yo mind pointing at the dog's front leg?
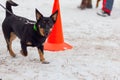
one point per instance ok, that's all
(41, 54)
(24, 49)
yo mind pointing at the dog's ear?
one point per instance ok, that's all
(12, 3)
(38, 14)
(54, 16)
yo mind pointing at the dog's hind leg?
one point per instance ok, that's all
(9, 44)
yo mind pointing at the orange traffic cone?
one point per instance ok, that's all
(55, 41)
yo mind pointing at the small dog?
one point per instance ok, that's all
(30, 33)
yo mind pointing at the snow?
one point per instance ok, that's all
(96, 45)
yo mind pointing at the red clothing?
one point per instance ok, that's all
(107, 6)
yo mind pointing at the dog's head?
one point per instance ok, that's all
(45, 24)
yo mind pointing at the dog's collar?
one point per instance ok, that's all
(34, 27)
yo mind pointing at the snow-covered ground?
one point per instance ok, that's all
(96, 45)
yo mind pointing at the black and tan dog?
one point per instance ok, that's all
(30, 33)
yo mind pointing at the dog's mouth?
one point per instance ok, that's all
(43, 32)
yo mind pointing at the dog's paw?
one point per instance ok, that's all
(23, 53)
(12, 53)
(45, 62)
(13, 56)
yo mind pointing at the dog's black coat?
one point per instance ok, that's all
(25, 30)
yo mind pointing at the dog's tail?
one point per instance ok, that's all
(9, 4)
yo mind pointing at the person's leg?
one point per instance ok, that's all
(107, 6)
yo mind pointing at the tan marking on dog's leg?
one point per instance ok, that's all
(41, 55)
(42, 59)
(12, 37)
